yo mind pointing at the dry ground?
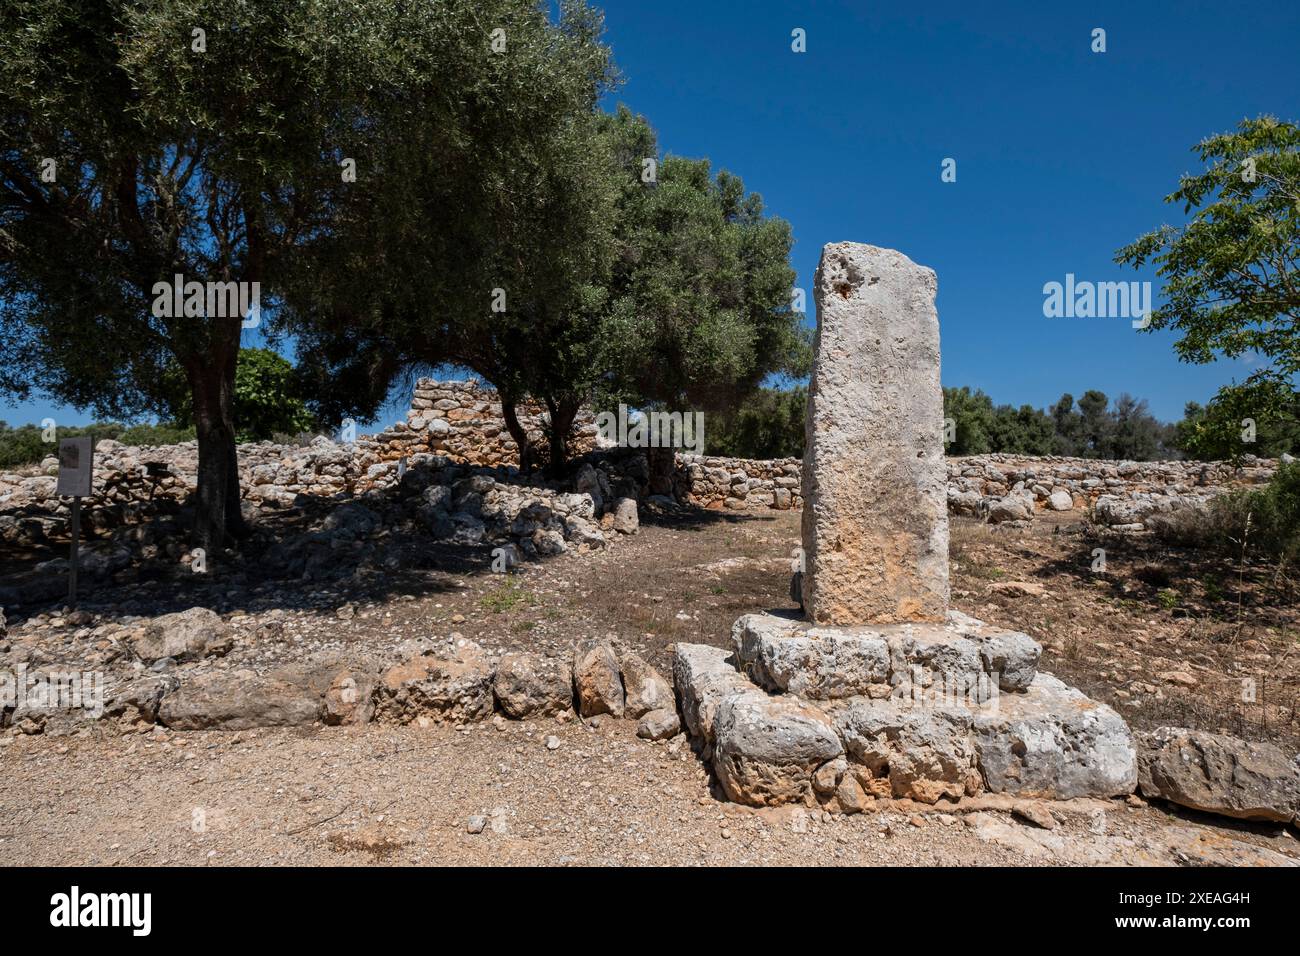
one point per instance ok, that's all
(405, 795)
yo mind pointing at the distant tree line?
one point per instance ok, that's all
(1093, 426)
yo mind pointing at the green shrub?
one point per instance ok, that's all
(1266, 521)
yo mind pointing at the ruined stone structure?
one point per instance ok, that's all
(463, 421)
(882, 691)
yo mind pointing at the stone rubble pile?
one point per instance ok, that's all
(169, 671)
(460, 422)
(434, 498)
(737, 484)
(463, 420)
(1120, 494)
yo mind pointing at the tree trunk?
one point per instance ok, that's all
(563, 413)
(516, 430)
(662, 465)
(217, 519)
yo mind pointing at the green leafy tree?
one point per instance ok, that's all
(214, 139)
(639, 278)
(268, 400)
(697, 313)
(770, 424)
(500, 237)
(1022, 431)
(1260, 416)
(971, 415)
(1231, 279)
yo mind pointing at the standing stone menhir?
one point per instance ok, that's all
(875, 520)
(881, 692)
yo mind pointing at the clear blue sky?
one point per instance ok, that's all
(1063, 155)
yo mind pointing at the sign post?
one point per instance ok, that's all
(76, 473)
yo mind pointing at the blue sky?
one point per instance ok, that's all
(1063, 155)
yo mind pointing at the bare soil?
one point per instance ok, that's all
(404, 795)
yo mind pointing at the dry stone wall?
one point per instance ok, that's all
(463, 421)
(460, 423)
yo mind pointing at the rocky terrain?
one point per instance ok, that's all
(446, 754)
(525, 645)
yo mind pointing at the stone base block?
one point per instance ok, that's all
(785, 654)
(837, 716)
(1055, 742)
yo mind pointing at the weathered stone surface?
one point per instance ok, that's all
(921, 753)
(924, 655)
(446, 682)
(875, 519)
(1010, 509)
(185, 636)
(1013, 657)
(766, 749)
(1060, 501)
(349, 696)
(659, 725)
(1053, 742)
(816, 663)
(1219, 774)
(138, 699)
(240, 700)
(703, 675)
(530, 684)
(626, 520)
(644, 687)
(597, 685)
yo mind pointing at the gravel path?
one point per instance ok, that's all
(402, 795)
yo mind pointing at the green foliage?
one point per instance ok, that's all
(25, 445)
(699, 298)
(1091, 429)
(1221, 429)
(1231, 282)
(769, 424)
(1264, 522)
(666, 293)
(268, 400)
(225, 165)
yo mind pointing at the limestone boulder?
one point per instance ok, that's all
(1013, 657)
(528, 685)
(185, 636)
(1010, 508)
(1216, 773)
(659, 725)
(138, 699)
(766, 749)
(644, 687)
(1060, 501)
(814, 663)
(703, 675)
(597, 682)
(1052, 741)
(240, 700)
(626, 520)
(446, 682)
(921, 753)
